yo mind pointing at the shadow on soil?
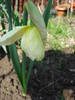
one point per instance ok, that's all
(2, 53)
(51, 76)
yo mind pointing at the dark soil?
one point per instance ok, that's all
(48, 80)
(55, 73)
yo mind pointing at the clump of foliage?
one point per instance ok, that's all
(59, 30)
(57, 27)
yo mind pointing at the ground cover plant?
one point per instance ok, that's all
(61, 33)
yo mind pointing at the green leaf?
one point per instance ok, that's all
(36, 18)
(8, 4)
(13, 35)
(1, 1)
(16, 62)
(12, 48)
(25, 16)
(46, 14)
(24, 72)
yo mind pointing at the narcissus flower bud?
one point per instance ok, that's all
(32, 38)
(32, 44)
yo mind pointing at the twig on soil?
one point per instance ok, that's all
(48, 85)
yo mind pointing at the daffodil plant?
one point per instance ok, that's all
(33, 38)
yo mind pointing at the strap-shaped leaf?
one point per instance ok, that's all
(46, 14)
(36, 18)
(13, 35)
(12, 48)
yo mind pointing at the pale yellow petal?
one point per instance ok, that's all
(32, 44)
(13, 35)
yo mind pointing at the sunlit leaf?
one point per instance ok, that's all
(46, 14)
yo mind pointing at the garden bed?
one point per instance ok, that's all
(48, 80)
(53, 78)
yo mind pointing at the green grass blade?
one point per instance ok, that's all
(46, 13)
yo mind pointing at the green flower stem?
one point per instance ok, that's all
(24, 88)
(29, 71)
(26, 79)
